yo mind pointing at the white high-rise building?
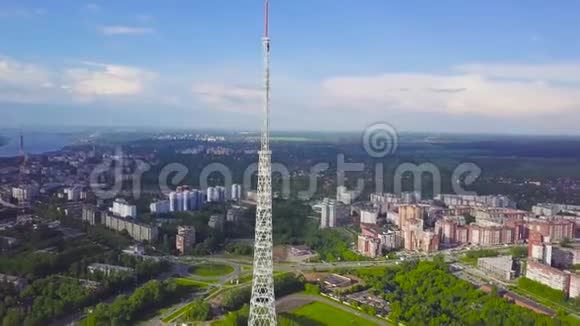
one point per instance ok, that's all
(344, 195)
(221, 191)
(24, 193)
(174, 202)
(73, 193)
(180, 201)
(212, 195)
(189, 200)
(331, 211)
(411, 197)
(123, 209)
(323, 218)
(328, 213)
(186, 201)
(236, 192)
(369, 216)
(160, 207)
(195, 200)
(216, 194)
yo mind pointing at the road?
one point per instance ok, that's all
(449, 255)
(185, 263)
(472, 274)
(179, 267)
(7, 204)
(293, 301)
(216, 260)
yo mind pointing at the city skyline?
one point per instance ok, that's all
(491, 68)
(398, 163)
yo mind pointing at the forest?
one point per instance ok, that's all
(52, 297)
(44, 301)
(506, 162)
(420, 291)
(126, 310)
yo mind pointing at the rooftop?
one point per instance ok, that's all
(504, 262)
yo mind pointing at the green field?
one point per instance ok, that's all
(246, 278)
(547, 296)
(329, 315)
(177, 313)
(469, 261)
(211, 269)
(190, 282)
(182, 310)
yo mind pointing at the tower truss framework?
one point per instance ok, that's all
(262, 303)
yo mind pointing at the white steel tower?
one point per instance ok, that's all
(262, 303)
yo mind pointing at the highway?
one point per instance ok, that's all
(181, 265)
(238, 262)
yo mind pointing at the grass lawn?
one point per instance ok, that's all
(190, 282)
(329, 315)
(568, 307)
(177, 313)
(245, 279)
(469, 261)
(248, 278)
(210, 269)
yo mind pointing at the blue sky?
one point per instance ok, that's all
(485, 66)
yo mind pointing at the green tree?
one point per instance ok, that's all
(427, 291)
(566, 243)
(199, 311)
(311, 289)
(14, 316)
(519, 252)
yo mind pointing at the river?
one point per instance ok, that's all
(35, 142)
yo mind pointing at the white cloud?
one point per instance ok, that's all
(520, 90)
(503, 91)
(22, 82)
(513, 92)
(92, 7)
(21, 12)
(229, 97)
(24, 74)
(125, 30)
(144, 18)
(549, 72)
(107, 80)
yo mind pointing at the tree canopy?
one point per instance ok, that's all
(426, 291)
